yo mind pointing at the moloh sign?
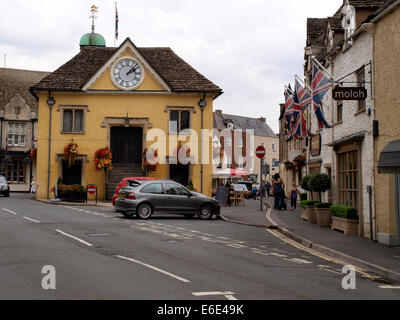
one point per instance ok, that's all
(349, 93)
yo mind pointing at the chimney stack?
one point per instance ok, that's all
(218, 113)
(263, 119)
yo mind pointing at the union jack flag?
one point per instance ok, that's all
(320, 86)
(303, 95)
(289, 104)
(299, 129)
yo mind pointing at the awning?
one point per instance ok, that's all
(389, 159)
(230, 172)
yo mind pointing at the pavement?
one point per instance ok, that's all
(371, 256)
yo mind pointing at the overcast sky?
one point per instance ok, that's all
(251, 48)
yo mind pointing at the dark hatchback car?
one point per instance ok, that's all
(4, 187)
(164, 196)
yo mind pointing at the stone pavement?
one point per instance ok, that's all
(361, 252)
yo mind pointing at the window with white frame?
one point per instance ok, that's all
(16, 134)
(13, 170)
(229, 142)
(241, 162)
(273, 147)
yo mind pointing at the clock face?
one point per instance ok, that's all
(127, 74)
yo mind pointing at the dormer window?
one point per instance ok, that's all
(348, 21)
(230, 126)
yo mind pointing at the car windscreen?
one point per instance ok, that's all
(2, 179)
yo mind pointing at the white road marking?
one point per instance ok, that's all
(155, 269)
(300, 261)
(9, 211)
(389, 287)
(228, 294)
(75, 238)
(260, 252)
(33, 220)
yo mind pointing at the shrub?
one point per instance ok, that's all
(344, 212)
(303, 196)
(322, 205)
(305, 183)
(70, 189)
(319, 182)
(309, 203)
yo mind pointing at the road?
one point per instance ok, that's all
(98, 254)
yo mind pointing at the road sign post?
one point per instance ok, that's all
(91, 189)
(260, 153)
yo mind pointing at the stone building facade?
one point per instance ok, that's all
(18, 127)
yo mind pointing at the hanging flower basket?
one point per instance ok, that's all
(71, 151)
(33, 153)
(103, 159)
(150, 161)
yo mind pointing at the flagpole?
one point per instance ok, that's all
(303, 83)
(323, 69)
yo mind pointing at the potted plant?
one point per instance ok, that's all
(190, 186)
(319, 182)
(344, 219)
(309, 213)
(72, 193)
(150, 160)
(323, 213)
(71, 152)
(305, 186)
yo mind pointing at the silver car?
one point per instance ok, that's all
(4, 187)
(164, 196)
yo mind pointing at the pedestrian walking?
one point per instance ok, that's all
(278, 189)
(268, 186)
(294, 192)
(33, 186)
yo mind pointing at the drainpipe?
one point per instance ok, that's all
(1, 133)
(51, 102)
(202, 105)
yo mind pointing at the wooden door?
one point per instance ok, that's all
(126, 145)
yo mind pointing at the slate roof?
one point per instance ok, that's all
(239, 122)
(374, 4)
(315, 28)
(13, 81)
(178, 74)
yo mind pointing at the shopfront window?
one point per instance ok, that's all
(348, 178)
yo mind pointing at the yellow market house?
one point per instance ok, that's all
(114, 97)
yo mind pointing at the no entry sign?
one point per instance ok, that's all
(91, 189)
(260, 152)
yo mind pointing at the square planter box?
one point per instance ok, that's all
(312, 217)
(323, 217)
(304, 215)
(348, 226)
(74, 197)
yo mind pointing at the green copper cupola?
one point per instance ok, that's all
(93, 39)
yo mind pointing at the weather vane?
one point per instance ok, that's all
(94, 10)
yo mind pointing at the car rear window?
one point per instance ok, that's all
(133, 183)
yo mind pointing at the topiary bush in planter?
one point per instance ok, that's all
(308, 210)
(303, 196)
(323, 213)
(344, 212)
(344, 219)
(305, 183)
(319, 182)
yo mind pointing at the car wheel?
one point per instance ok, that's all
(144, 211)
(128, 214)
(206, 212)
